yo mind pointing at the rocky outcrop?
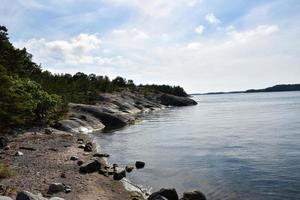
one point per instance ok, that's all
(115, 110)
(171, 100)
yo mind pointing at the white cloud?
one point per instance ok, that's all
(212, 19)
(261, 30)
(199, 29)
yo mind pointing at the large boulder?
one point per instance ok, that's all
(195, 195)
(139, 164)
(90, 167)
(172, 100)
(119, 174)
(169, 194)
(25, 195)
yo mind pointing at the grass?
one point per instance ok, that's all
(6, 171)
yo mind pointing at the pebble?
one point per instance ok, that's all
(19, 153)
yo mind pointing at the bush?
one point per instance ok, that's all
(6, 171)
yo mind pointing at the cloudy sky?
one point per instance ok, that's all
(202, 45)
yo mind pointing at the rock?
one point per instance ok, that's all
(19, 153)
(171, 100)
(101, 155)
(119, 174)
(56, 198)
(80, 141)
(169, 194)
(90, 167)
(88, 147)
(25, 195)
(3, 142)
(55, 188)
(82, 146)
(195, 195)
(28, 148)
(6, 148)
(48, 131)
(73, 158)
(136, 196)
(63, 175)
(139, 164)
(5, 198)
(68, 189)
(79, 162)
(129, 168)
(159, 197)
(115, 165)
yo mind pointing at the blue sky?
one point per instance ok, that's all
(202, 45)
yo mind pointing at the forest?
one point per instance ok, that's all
(30, 95)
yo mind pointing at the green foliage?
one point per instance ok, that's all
(174, 90)
(6, 171)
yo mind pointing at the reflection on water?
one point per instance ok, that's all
(233, 146)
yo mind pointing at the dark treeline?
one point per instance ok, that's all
(277, 88)
(28, 94)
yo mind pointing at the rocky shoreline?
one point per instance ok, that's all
(61, 162)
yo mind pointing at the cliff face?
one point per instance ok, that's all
(116, 110)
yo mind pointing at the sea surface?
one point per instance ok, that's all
(230, 146)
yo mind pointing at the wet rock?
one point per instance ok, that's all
(119, 174)
(3, 142)
(139, 164)
(73, 158)
(159, 197)
(55, 188)
(169, 194)
(79, 162)
(101, 155)
(88, 147)
(5, 198)
(171, 100)
(90, 167)
(195, 195)
(129, 168)
(25, 195)
(115, 166)
(19, 153)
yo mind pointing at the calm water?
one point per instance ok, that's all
(233, 146)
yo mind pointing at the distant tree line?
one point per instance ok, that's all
(30, 95)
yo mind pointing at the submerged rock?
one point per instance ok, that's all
(169, 194)
(139, 164)
(195, 195)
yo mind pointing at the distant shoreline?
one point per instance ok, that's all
(276, 88)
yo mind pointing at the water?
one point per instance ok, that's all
(231, 146)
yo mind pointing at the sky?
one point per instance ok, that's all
(201, 45)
